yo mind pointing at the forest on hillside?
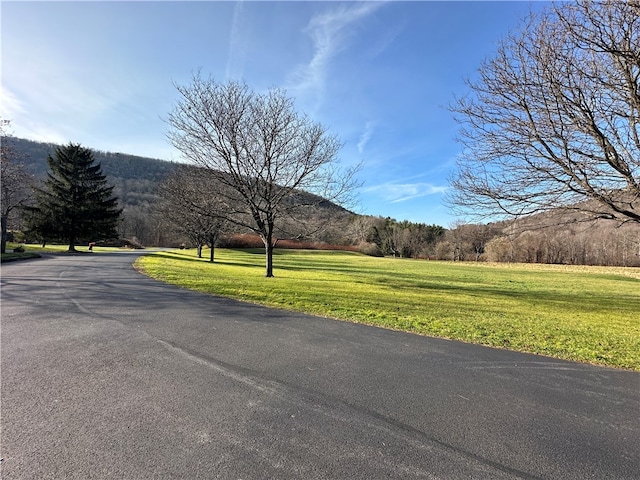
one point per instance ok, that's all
(540, 239)
(135, 178)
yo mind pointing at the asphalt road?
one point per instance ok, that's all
(107, 374)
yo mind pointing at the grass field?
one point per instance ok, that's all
(587, 314)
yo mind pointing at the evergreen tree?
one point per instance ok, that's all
(75, 203)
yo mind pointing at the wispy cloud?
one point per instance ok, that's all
(402, 192)
(11, 106)
(58, 103)
(366, 136)
(58, 100)
(330, 32)
(387, 38)
(237, 44)
(49, 107)
(40, 132)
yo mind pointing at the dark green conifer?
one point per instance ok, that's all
(75, 203)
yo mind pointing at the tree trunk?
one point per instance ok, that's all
(211, 252)
(199, 247)
(3, 222)
(268, 249)
(72, 245)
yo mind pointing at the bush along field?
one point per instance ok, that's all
(585, 314)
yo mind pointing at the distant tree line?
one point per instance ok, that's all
(597, 243)
(390, 237)
(537, 239)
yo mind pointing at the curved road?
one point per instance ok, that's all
(108, 374)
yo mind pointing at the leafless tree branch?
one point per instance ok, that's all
(261, 150)
(554, 119)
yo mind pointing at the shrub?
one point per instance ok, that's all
(369, 248)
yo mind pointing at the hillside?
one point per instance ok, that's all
(567, 237)
(136, 181)
(135, 178)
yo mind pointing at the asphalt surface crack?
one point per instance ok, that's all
(337, 409)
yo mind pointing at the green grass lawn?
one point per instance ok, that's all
(587, 314)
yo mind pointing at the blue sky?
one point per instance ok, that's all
(380, 75)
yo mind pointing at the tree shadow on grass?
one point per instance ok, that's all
(203, 260)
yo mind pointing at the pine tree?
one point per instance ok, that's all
(76, 203)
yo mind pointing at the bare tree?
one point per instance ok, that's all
(193, 201)
(553, 120)
(14, 182)
(261, 149)
(475, 237)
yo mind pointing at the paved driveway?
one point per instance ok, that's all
(108, 374)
